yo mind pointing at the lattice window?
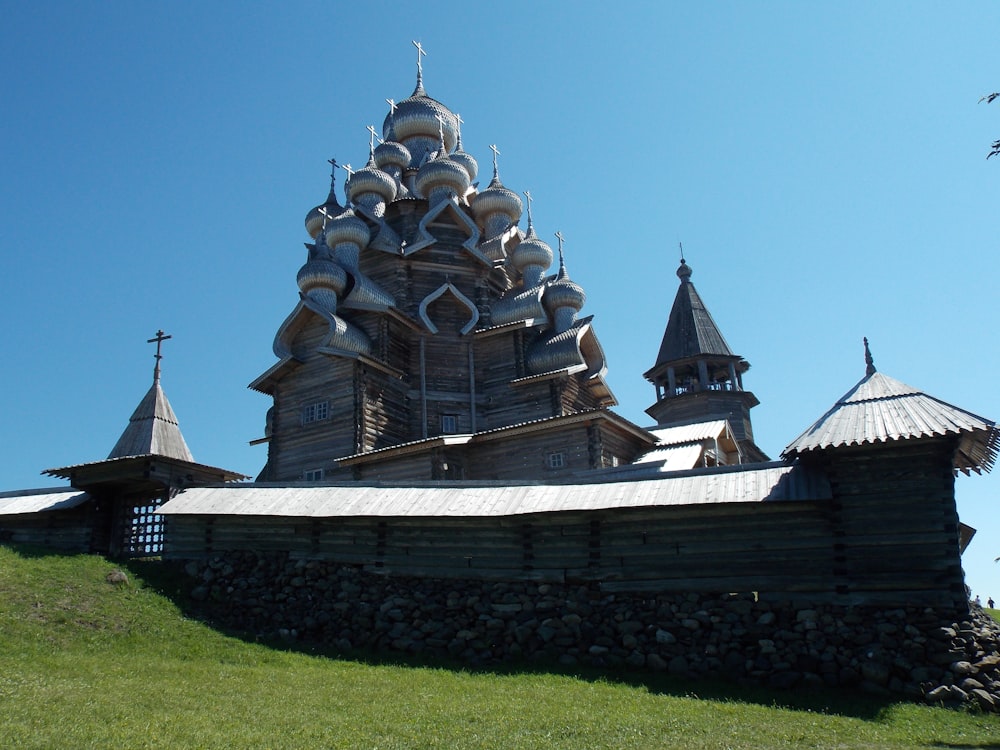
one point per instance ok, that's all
(313, 475)
(557, 460)
(449, 424)
(143, 530)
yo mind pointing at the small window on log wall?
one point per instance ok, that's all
(312, 475)
(449, 424)
(315, 412)
(557, 460)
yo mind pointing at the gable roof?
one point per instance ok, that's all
(880, 408)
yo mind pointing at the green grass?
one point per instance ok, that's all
(88, 664)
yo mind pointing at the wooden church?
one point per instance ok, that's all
(438, 393)
(434, 338)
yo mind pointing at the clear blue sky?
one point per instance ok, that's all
(823, 164)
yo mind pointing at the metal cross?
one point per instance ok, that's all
(681, 246)
(392, 106)
(461, 122)
(159, 339)
(527, 196)
(347, 168)
(562, 263)
(496, 152)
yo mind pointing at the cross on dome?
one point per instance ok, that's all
(420, 68)
(496, 152)
(527, 197)
(440, 120)
(371, 141)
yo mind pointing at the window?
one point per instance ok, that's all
(449, 424)
(557, 460)
(315, 412)
(312, 475)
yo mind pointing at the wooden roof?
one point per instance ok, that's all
(152, 430)
(37, 501)
(880, 408)
(691, 332)
(762, 483)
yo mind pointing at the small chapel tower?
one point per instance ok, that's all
(697, 377)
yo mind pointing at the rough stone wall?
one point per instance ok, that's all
(916, 652)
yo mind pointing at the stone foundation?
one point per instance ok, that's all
(916, 652)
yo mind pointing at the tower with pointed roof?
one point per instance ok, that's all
(148, 464)
(696, 375)
(430, 339)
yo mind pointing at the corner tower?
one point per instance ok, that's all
(696, 375)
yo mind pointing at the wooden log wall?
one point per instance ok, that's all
(768, 547)
(895, 522)
(69, 530)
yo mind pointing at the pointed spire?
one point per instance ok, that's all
(869, 361)
(419, 90)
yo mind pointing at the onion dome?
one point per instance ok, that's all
(347, 228)
(371, 187)
(684, 271)
(532, 257)
(467, 160)
(441, 177)
(415, 123)
(315, 218)
(564, 292)
(563, 296)
(392, 154)
(322, 281)
(496, 208)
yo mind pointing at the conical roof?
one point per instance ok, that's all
(152, 430)
(691, 331)
(880, 408)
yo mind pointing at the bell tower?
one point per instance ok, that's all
(697, 377)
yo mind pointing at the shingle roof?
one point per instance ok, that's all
(152, 430)
(768, 482)
(690, 331)
(880, 408)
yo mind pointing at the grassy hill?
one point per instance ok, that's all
(88, 663)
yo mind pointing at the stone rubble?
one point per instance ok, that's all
(913, 652)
